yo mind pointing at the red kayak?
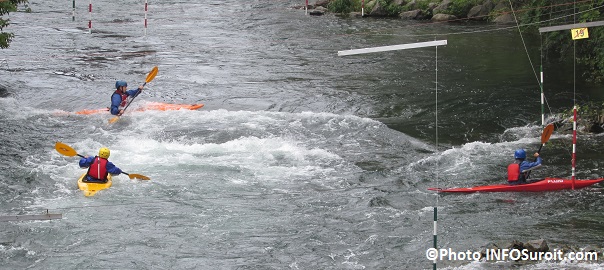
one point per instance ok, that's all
(154, 106)
(547, 184)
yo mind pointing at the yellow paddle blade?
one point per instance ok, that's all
(65, 149)
(138, 176)
(114, 119)
(152, 74)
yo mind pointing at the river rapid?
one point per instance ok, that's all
(300, 158)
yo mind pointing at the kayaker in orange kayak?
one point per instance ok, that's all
(519, 170)
(119, 99)
(99, 167)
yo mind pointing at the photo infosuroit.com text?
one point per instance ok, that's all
(447, 254)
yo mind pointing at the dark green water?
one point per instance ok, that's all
(300, 159)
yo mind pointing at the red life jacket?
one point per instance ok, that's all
(124, 97)
(98, 169)
(513, 172)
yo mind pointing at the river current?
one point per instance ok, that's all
(300, 158)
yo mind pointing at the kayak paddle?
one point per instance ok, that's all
(66, 150)
(150, 77)
(547, 132)
(137, 176)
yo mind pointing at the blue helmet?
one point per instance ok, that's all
(120, 83)
(520, 154)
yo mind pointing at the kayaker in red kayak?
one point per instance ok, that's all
(99, 167)
(519, 170)
(119, 98)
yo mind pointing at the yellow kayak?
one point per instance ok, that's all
(90, 189)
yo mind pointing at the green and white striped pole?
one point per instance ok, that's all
(435, 236)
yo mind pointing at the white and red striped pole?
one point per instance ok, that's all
(363, 8)
(306, 8)
(145, 17)
(90, 17)
(574, 157)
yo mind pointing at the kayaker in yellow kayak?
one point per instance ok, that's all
(99, 167)
(119, 98)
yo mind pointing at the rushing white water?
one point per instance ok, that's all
(299, 159)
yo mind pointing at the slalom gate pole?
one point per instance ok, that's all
(90, 17)
(363, 8)
(542, 99)
(435, 235)
(145, 17)
(574, 157)
(306, 8)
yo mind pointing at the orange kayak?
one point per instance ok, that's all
(152, 106)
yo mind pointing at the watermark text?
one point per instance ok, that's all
(447, 254)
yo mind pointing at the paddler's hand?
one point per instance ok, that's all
(140, 90)
(536, 155)
(120, 113)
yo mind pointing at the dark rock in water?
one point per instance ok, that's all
(489, 246)
(4, 91)
(591, 249)
(379, 202)
(515, 244)
(536, 245)
(322, 3)
(596, 128)
(316, 12)
(568, 248)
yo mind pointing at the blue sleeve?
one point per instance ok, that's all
(525, 165)
(85, 162)
(115, 104)
(132, 93)
(112, 169)
(537, 162)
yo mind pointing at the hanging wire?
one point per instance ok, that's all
(537, 77)
(523, 42)
(574, 59)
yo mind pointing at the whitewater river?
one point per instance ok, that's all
(300, 158)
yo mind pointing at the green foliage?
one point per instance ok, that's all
(347, 6)
(588, 51)
(344, 6)
(5, 39)
(460, 8)
(390, 7)
(590, 113)
(7, 6)
(423, 5)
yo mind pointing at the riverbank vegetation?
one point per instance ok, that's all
(7, 6)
